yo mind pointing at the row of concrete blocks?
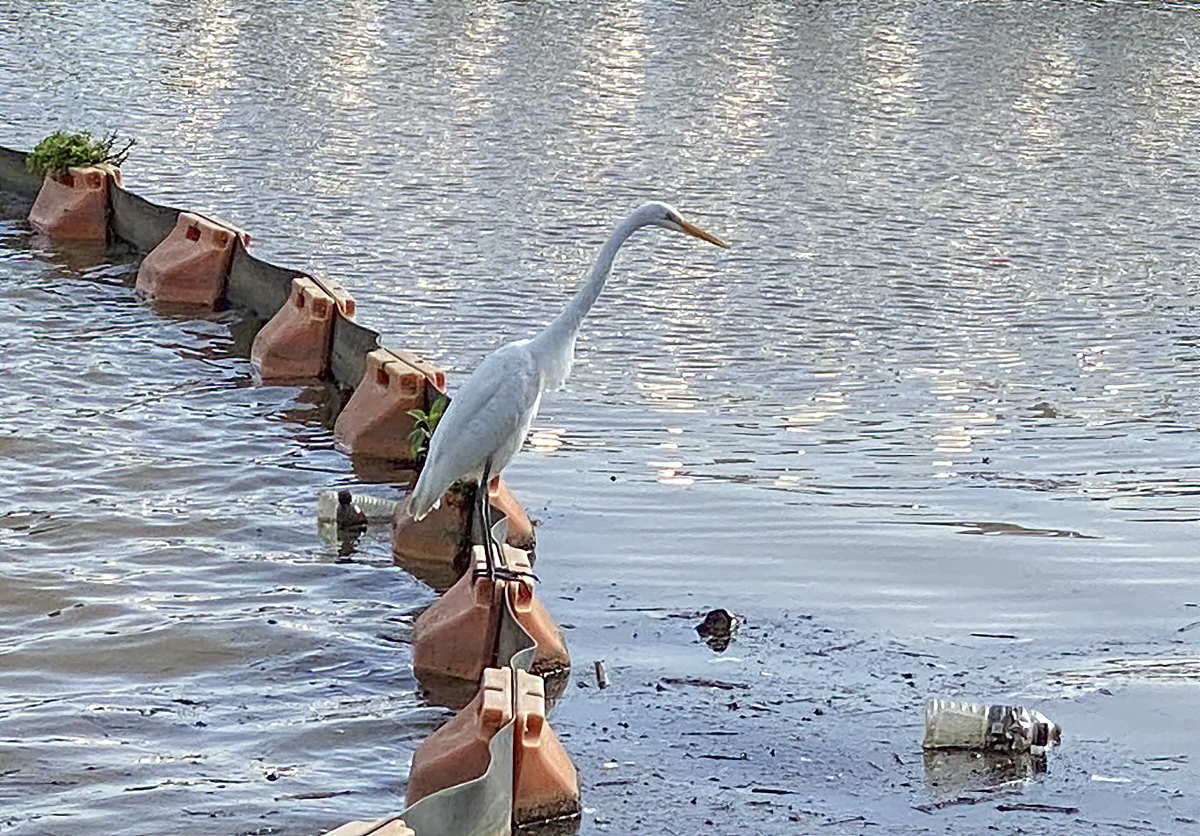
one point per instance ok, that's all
(188, 270)
(464, 655)
(461, 639)
(454, 649)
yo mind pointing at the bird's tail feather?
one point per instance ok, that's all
(423, 499)
(419, 510)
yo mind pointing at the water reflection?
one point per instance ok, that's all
(950, 773)
(546, 439)
(883, 87)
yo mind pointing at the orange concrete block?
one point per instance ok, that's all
(75, 205)
(458, 751)
(545, 784)
(454, 640)
(190, 265)
(551, 658)
(435, 375)
(456, 636)
(295, 344)
(437, 548)
(375, 421)
(444, 536)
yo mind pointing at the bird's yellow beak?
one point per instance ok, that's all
(697, 232)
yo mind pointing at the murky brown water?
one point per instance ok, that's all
(945, 384)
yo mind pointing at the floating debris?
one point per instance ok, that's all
(955, 724)
(718, 629)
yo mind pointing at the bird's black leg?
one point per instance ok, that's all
(490, 550)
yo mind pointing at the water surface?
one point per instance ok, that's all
(945, 383)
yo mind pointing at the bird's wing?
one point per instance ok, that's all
(488, 417)
(492, 408)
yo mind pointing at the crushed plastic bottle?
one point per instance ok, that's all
(956, 724)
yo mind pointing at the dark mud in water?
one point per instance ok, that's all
(803, 727)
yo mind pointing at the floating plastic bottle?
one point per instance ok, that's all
(331, 504)
(343, 517)
(955, 724)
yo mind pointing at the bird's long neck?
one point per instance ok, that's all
(555, 346)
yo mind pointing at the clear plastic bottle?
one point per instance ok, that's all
(373, 508)
(955, 724)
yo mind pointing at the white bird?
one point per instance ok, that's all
(489, 417)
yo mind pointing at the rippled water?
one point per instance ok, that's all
(945, 382)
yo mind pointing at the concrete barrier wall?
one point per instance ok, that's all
(254, 285)
(15, 177)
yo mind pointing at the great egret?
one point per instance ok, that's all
(489, 417)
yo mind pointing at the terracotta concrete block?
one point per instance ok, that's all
(295, 344)
(551, 657)
(520, 527)
(437, 548)
(435, 375)
(458, 751)
(545, 784)
(456, 635)
(455, 639)
(190, 266)
(444, 536)
(75, 205)
(375, 421)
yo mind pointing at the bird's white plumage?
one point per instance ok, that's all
(490, 415)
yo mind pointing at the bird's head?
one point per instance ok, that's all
(661, 214)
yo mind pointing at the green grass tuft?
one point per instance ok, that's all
(61, 150)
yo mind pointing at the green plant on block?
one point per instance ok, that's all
(425, 423)
(61, 150)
